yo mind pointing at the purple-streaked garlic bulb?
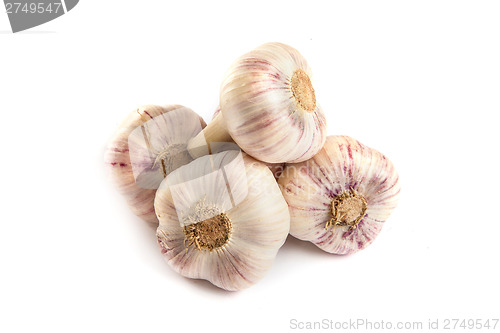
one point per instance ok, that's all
(340, 198)
(268, 107)
(222, 218)
(149, 144)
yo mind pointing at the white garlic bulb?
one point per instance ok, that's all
(340, 198)
(149, 144)
(268, 107)
(222, 218)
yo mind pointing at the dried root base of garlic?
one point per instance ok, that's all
(208, 234)
(222, 219)
(348, 208)
(149, 144)
(340, 198)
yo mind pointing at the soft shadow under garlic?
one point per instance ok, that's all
(294, 246)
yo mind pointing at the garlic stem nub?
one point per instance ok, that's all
(203, 143)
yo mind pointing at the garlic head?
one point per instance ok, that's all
(222, 219)
(340, 198)
(269, 105)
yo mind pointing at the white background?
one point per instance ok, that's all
(419, 81)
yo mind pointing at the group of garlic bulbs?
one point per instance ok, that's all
(226, 195)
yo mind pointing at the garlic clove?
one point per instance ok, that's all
(150, 143)
(269, 107)
(340, 198)
(222, 218)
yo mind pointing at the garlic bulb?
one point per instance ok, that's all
(222, 218)
(268, 107)
(340, 198)
(150, 143)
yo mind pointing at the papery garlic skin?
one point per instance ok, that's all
(258, 215)
(135, 157)
(276, 168)
(269, 105)
(344, 165)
